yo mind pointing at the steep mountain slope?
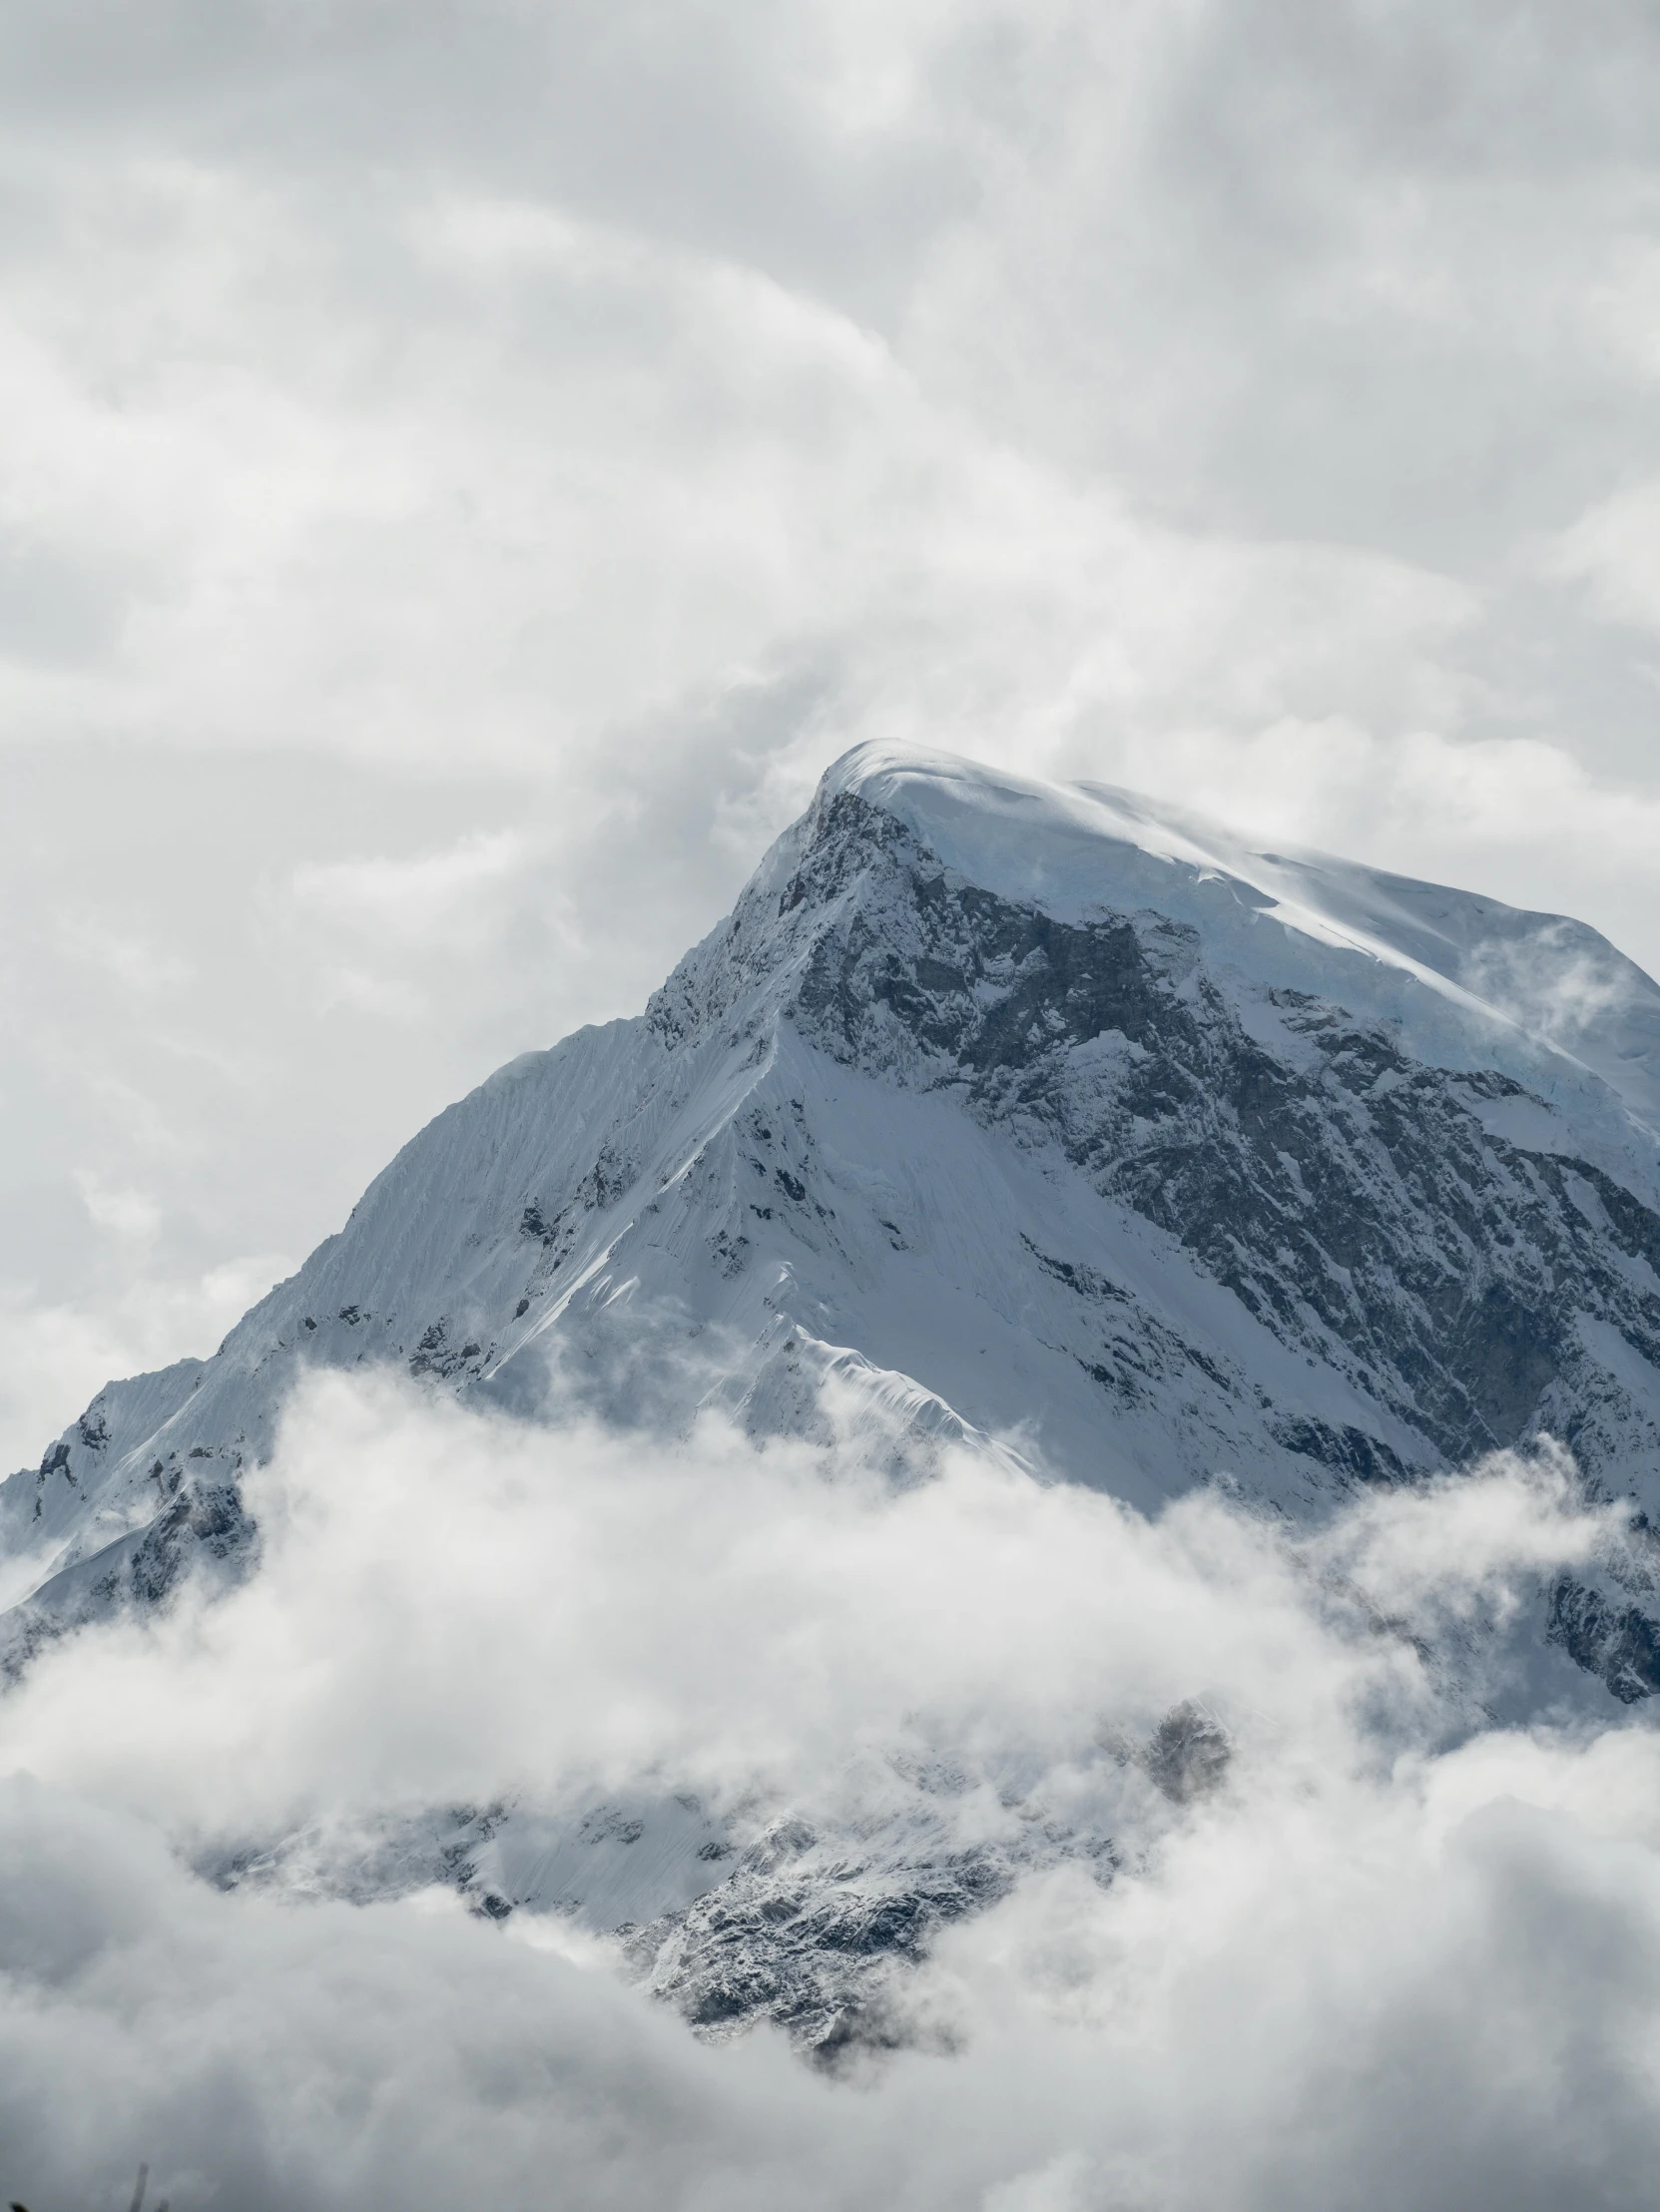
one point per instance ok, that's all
(1168, 1159)
(1024, 1111)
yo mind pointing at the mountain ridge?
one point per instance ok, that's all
(1020, 1118)
(942, 964)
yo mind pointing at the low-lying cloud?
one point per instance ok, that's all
(1391, 1954)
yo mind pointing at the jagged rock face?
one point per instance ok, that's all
(991, 1109)
(809, 1945)
(1352, 1199)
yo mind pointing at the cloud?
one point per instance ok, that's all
(407, 1622)
(1400, 1956)
(129, 1212)
(1614, 551)
(413, 900)
(374, 928)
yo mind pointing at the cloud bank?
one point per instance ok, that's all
(1398, 1955)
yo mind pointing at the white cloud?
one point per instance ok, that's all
(423, 899)
(128, 1212)
(1381, 1967)
(1614, 549)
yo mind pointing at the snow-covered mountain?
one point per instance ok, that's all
(1028, 1112)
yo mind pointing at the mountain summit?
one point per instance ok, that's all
(1025, 1109)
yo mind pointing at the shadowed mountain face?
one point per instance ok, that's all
(1022, 1112)
(1367, 1208)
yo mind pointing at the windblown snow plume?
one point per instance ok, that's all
(1255, 1904)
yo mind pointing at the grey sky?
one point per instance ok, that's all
(465, 469)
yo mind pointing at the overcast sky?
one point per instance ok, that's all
(465, 469)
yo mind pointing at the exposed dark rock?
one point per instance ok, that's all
(1189, 1754)
(1618, 1642)
(1348, 1196)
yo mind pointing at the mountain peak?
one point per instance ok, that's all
(1082, 848)
(1025, 1110)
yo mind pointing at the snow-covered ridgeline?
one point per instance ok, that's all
(1031, 1108)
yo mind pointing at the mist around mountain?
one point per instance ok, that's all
(1002, 1556)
